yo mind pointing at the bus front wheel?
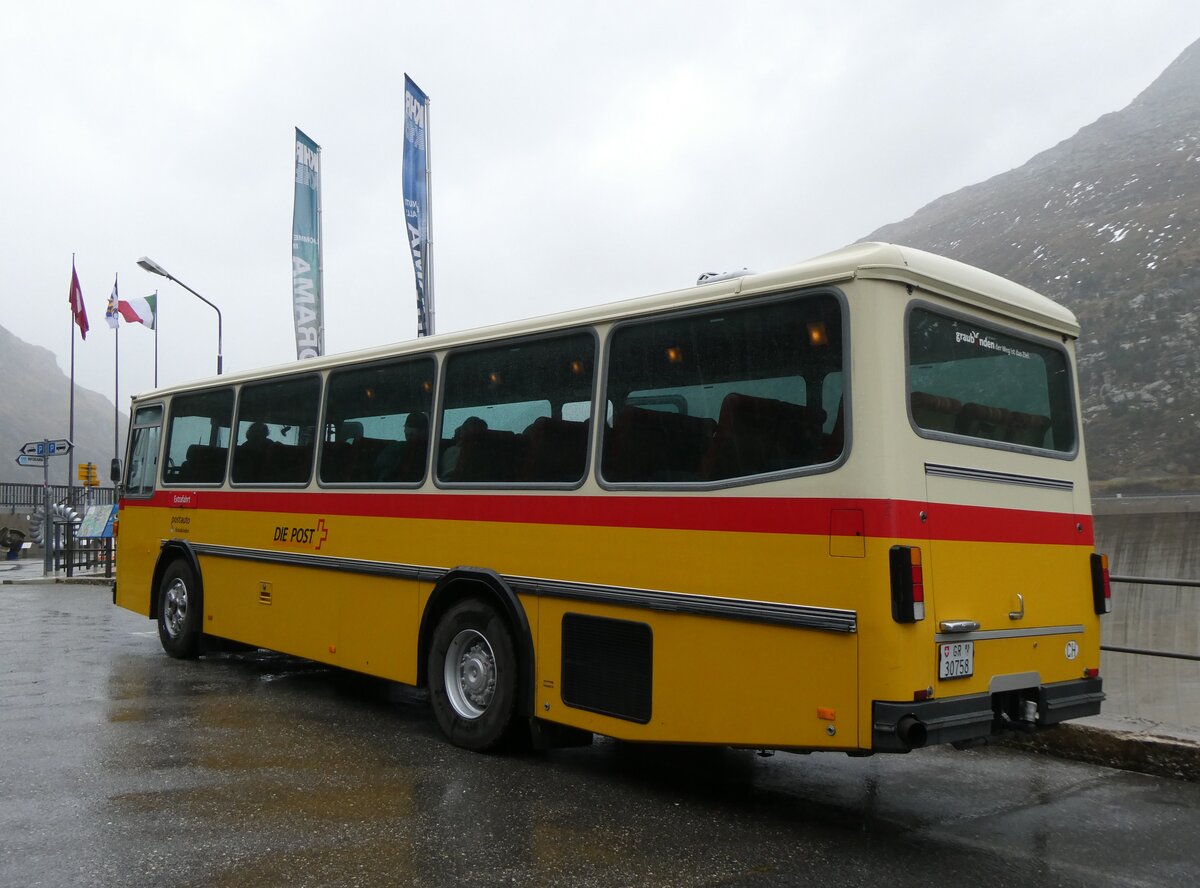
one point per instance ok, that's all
(472, 672)
(179, 612)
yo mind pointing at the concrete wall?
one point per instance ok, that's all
(1152, 537)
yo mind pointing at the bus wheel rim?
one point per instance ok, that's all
(470, 673)
(176, 607)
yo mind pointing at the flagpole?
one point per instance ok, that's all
(116, 376)
(156, 338)
(71, 421)
(320, 262)
(429, 305)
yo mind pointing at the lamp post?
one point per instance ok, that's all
(154, 268)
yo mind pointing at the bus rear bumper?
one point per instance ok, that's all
(900, 727)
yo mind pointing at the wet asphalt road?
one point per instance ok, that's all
(120, 766)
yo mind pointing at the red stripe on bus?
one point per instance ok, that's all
(899, 519)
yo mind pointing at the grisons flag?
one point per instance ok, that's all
(110, 311)
(139, 310)
(77, 308)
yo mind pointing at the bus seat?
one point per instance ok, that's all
(204, 464)
(402, 461)
(488, 455)
(555, 450)
(1002, 424)
(936, 413)
(756, 435)
(835, 441)
(335, 462)
(283, 464)
(656, 445)
(1029, 428)
(363, 455)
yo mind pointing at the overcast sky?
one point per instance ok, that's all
(581, 153)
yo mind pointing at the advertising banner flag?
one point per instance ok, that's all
(307, 307)
(416, 197)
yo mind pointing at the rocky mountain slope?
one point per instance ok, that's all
(1107, 223)
(36, 405)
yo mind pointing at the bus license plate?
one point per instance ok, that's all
(956, 659)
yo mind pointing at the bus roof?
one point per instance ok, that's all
(947, 277)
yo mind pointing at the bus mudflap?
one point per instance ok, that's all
(901, 727)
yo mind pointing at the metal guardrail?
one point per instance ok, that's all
(71, 553)
(16, 494)
(1147, 652)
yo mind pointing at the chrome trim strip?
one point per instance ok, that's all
(799, 615)
(958, 626)
(323, 562)
(1010, 633)
(963, 473)
(806, 616)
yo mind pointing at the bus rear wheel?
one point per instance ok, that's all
(472, 671)
(179, 612)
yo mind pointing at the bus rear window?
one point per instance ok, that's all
(968, 379)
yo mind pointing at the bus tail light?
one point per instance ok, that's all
(908, 584)
(1101, 584)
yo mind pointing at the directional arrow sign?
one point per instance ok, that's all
(33, 461)
(57, 447)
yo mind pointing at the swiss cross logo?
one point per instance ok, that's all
(322, 533)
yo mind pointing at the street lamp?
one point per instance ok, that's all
(154, 268)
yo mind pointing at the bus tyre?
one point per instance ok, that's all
(472, 673)
(179, 612)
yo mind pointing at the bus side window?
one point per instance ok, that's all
(377, 423)
(498, 422)
(142, 470)
(276, 432)
(721, 394)
(198, 437)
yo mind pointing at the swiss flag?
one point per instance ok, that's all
(77, 308)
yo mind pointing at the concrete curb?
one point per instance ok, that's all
(1127, 743)
(24, 578)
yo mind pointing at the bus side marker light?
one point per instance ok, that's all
(333, 649)
(1101, 584)
(826, 714)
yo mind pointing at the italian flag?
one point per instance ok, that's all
(139, 311)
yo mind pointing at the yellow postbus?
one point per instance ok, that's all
(842, 506)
